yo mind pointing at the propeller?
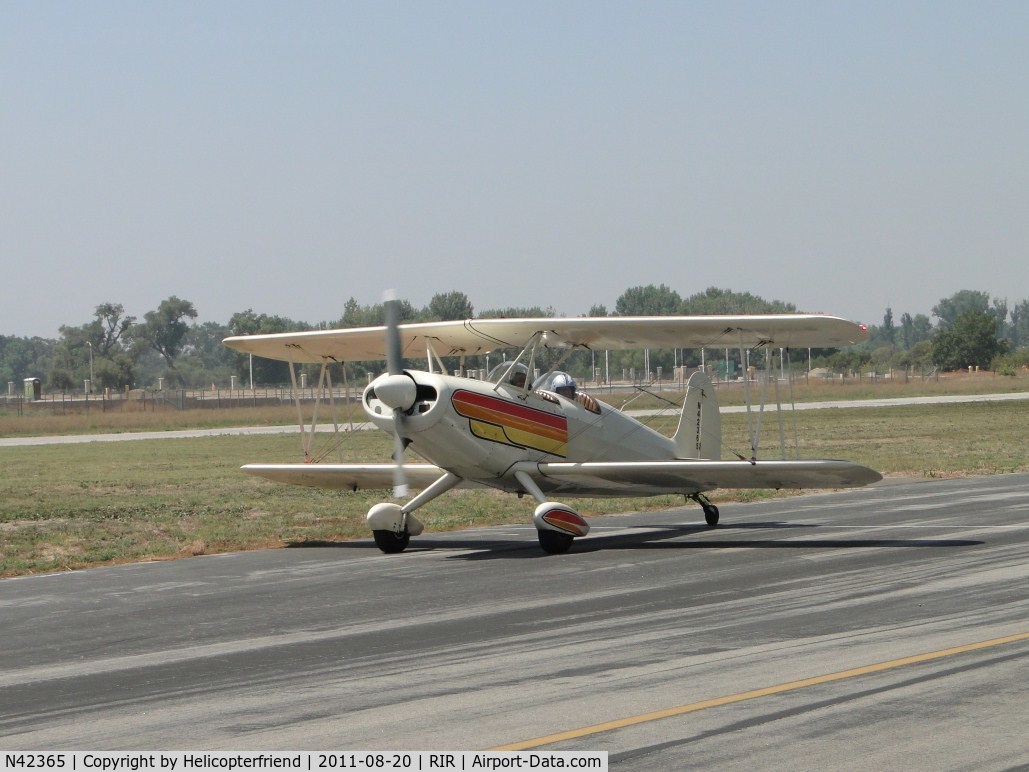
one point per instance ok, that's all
(396, 390)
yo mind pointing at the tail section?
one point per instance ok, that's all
(700, 427)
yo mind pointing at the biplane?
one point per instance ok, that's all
(540, 436)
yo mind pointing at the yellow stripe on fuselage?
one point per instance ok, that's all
(511, 423)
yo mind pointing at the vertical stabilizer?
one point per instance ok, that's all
(700, 427)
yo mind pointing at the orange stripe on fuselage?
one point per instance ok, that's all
(515, 423)
(510, 408)
(511, 415)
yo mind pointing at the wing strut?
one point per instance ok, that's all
(433, 358)
(778, 407)
(744, 365)
(308, 433)
(305, 441)
(793, 406)
(754, 432)
(764, 401)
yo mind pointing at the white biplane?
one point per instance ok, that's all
(532, 436)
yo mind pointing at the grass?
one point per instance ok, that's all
(73, 506)
(819, 390)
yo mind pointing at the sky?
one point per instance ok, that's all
(284, 156)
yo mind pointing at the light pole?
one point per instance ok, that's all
(90, 344)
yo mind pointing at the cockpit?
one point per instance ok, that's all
(513, 373)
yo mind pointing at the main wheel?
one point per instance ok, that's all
(711, 514)
(390, 542)
(554, 542)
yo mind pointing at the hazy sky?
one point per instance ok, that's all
(286, 156)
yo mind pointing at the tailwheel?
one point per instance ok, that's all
(711, 514)
(554, 542)
(710, 510)
(391, 542)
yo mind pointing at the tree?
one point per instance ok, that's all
(448, 306)
(108, 327)
(648, 301)
(715, 301)
(204, 358)
(1019, 335)
(356, 315)
(515, 312)
(949, 309)
(888, 332)
(266, 371)
(104, 333)
(249, 323)
(914, 329)
(852, 359)
(971, 340)
(918, 356)
(61, 378)
(100, 342)
(22, 358)
(164, 330)
(114, 372)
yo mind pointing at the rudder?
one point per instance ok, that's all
(700, 426)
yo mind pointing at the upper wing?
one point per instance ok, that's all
(480, 336)
(633, 478)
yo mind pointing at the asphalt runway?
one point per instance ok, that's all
(665, 643)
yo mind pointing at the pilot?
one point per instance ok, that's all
(564, 384)
(518, 379)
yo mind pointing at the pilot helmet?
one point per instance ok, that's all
(563, 384)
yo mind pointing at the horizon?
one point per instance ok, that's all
(200, 320)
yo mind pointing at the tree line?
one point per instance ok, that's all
(167, 346)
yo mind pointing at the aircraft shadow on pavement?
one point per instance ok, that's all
(676, 537)
(663, 536)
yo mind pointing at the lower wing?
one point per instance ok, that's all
(349, 477)
(637, 478)
(601, 478)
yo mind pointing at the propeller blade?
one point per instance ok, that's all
(395, 366)
(394, 362)
(399, 475)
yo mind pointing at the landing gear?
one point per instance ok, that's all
(557, 525)
(391, 542)
(711, 515)
(555, 543)
(391, 528)
(710, 510)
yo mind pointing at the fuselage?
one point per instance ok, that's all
(480, 430)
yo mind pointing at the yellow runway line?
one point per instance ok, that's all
(680, 710)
